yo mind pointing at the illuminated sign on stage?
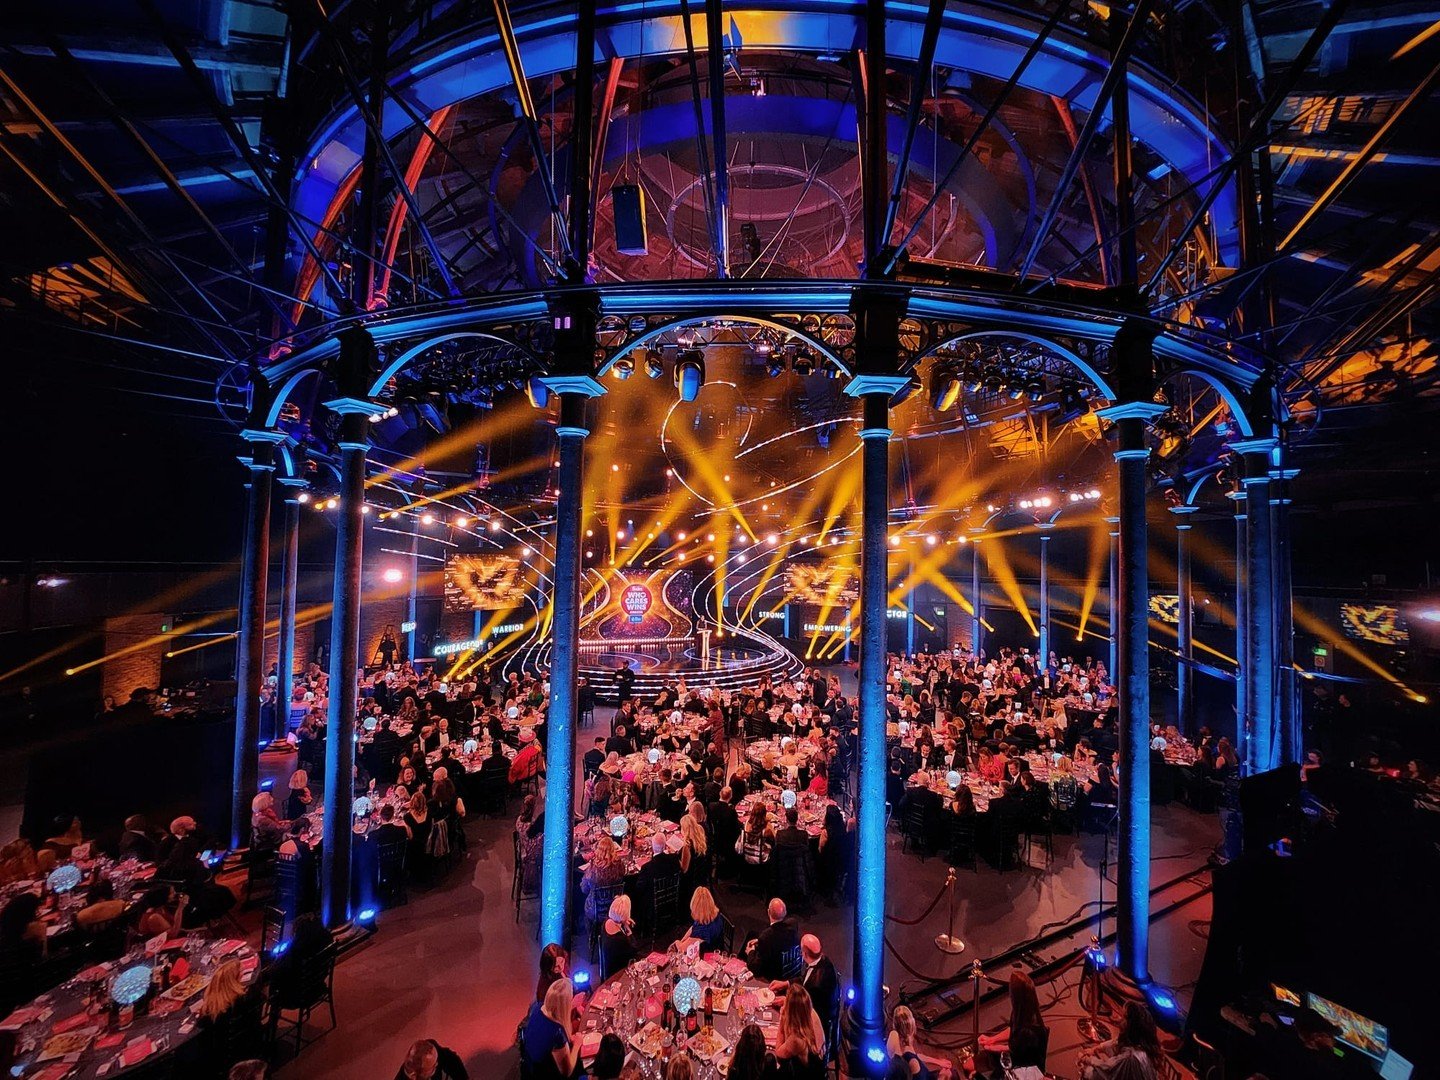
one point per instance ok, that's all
(1166, 608)
(635, 601)
(484, 583)
(450, 648)
(1379, 624)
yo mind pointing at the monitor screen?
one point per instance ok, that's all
(1353, 1030)
(1395, 1067)
(1378, 624)
(1288, 997)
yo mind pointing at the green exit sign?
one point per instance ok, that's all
(164, 627)
(1320, 650)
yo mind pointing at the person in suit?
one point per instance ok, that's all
(791, 835)
(136, 841)
(594, 758)
(663, 866)
(620, 742)
(766, 953)
(724, 825)
(385, 754)
(819, 980)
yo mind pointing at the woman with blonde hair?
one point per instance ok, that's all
(300, 801)
(695, 855)
(707, 925)
(800, 1042)
(224, 990)
(900, 1043)
(617, 937)
(548, 1042)
(605, 869)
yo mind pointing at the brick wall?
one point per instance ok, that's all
(138, 668)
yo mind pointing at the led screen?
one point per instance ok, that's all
(484, 583)
(1379, 624)
(821, 584)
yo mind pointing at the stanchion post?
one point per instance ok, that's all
(1091, 1028)
(948, 942)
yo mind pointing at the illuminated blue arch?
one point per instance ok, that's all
(752, 320)
(1226, 392)
(402, 359)
(1070, 356)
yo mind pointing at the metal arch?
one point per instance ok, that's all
(1069, 355)
(282, 395)
(395, 366)
(1227, 395)
(653, 332)
(974, 39)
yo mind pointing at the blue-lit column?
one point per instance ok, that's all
(874, 392)
(1258, 659)
(289, 587)
(412, 602)
(1113, 662)
(335, 869)
(1132, 900)
(250, 644)
(574, 391)
(1185, 630)
(977, 617)
(1292, 733)
(1242, 631)
(1044, 527)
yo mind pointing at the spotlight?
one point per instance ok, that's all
(894, 541)
(932, 539)
(494, 525)
(709, 558)
(690, 374)
(772, 539)
(944, 388)
(619, 534)
(589, 532)
(973, 379)
(461, 522)
(1017, 392)
(775, 366)
(303, 498)
(614, 468)
(1035, 389)
(763, 347)
(427, 519)
(623, 368)
(525, 553)
(654, 366)
(537, 392)
(365, 509)
(331, 504)
(393, 576)
(803, 364)
(992, 384)
(709, 538)
(680, 536)
(366, 915)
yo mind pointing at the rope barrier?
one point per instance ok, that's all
(944, 888)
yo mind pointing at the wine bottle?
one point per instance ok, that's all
(709, 1008)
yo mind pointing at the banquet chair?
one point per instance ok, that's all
(260, 867)
(962, 841)
(727, 936)
(603, 896)
(492, 793)
(518, 892)
(272, 931)
(664, 907)
(1009, 818)
(289, 889)
(915, 829)
(313, 988)
(390, 883)
(792, 963)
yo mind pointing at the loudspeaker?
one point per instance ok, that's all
(628, 204)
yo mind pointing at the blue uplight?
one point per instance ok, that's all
(581, 979)
(366, 915)
(850, 993)
(1161, 998)
(876, 1054)
(266, 785)
(1096, 958)
(280, 948)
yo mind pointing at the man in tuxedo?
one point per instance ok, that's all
(620, 742)
(385, 754)
(819, 980)
(593, 759)
(948, 757)
(725, 824)
(663, 865)
(766, 954)
(792, 836)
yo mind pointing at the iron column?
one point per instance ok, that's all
(556, 850)
(1258, 659)
(1044, 663)
(250, 644)
(1185, 632)
(289, 587)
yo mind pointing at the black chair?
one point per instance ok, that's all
(664, 904)
(107, 940)
(290, 891)
(17, 979)
(962, 840)
(492, 794)
(391, 886)
(792, 879)
(603, 896)
(242, 1036)
(1039, 825)
(518, 892)
(727, 936)
(313, 987)
(272, 931)
(1009, 818)
(915, 829)
(260, 864)
(792, 963)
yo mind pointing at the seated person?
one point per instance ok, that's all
(768, 952)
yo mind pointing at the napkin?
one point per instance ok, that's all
(53, 1072)
(656, 959)
(19, 1018)
(735, 966)
(70, 1023)
(180, 969)
(230, 945)
(135, 1052)
(104, 1042)
(590, 1045)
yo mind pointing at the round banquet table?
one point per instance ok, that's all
(631, 1004)
(130, 877)
(66, 1032)
(635, 847)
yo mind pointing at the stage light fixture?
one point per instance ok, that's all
(331, 504)
(690, 374)
(709, 538)
(775, 366)
(681, 535)
(623, 368)
(772, 539)
(974, 380)
(619, 534)
(1035, 389)
(944, 388)
(654, 365)
(894, 541)
(932, 539)
(393, 575)
(494, 525)
(992, 384)
(525, 553)
(461, 522)
(365, 509)
(803, 364)
(1017, 392)
(709, 558)
(427, 519)
(537, 392)
(303, 498)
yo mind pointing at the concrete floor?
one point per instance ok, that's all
(453, 965)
